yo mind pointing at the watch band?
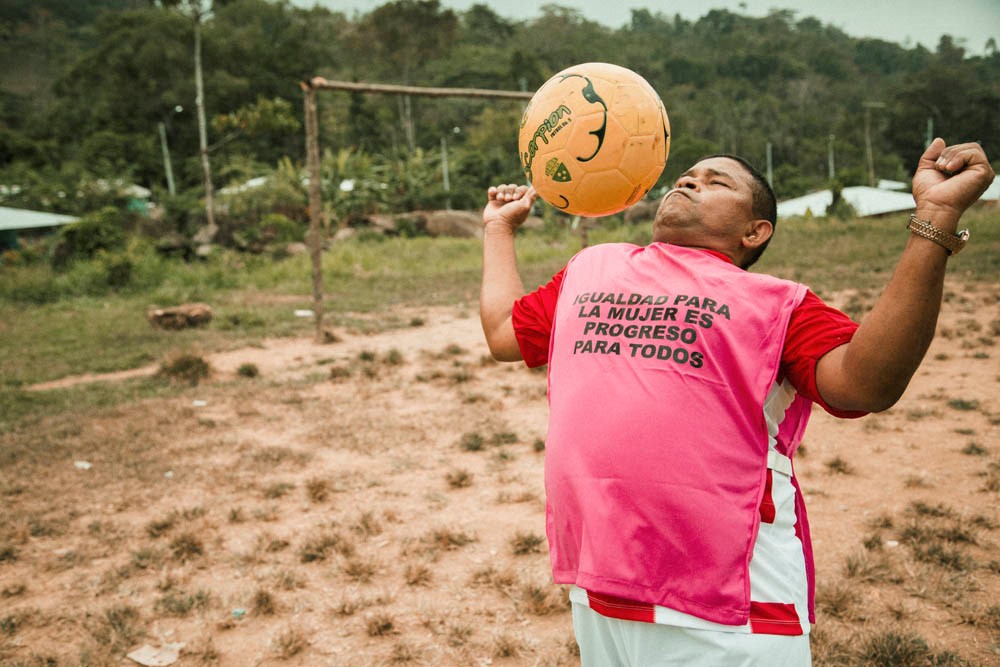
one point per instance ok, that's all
(952, 243)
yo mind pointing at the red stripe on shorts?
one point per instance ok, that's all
(774, 618)
(615, 607)
(767, 509)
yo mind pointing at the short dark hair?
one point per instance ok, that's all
(765, 204)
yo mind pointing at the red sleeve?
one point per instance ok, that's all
(814, 329)
(532, 319)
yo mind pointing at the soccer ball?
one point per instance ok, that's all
(594, 139)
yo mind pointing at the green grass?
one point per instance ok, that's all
(17, 405)
(58, 324)
(835, 255)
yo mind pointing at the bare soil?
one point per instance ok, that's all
(379, 500)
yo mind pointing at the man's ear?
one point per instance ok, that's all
(757, 233)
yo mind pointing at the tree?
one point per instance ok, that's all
(403, 35)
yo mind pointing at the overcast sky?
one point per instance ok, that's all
(907, 22)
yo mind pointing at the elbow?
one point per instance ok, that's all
(503, 352)
(878, 398)
(883, 403)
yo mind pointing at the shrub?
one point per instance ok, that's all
(102, 230)
(272, 228)
(185, 368)
(248, 370)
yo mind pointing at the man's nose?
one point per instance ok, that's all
(688, 182)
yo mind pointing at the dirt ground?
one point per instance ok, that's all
(379, 500)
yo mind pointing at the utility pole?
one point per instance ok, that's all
(446, 182)
(165, 148)
(444, 172)
(831, 171)
(207, 234)
(868, 138)
(770, 166)
(166, 160)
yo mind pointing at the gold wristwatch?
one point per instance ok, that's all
(952, 243)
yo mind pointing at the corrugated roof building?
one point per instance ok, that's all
(865, 201)
(19, 218)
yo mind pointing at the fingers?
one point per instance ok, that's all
(953, 159)
(511, 192)
(933, 151)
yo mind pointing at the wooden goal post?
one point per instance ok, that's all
(314, 238)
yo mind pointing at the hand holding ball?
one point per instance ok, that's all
(594, 139)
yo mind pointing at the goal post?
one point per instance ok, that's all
(310, 87)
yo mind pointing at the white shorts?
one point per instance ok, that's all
(612, 642)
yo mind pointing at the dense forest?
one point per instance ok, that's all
(86, 84)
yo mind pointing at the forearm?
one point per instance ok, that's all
(875, 368)
(501, 287)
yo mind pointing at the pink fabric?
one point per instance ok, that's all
(657, 451)
(813, 330)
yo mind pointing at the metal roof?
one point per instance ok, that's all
(19, 218)
(866, 201)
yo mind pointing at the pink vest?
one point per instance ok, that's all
(661, 358)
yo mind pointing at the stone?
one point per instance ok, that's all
(458, 224)
(180, 317)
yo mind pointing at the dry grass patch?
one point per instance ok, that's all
(13, 590)
(458, 635)
(317, 490)
(289, 642)
(459, 479)
(182, 604)
(839, 466)
(268, 457)
(159, 527)
(896, 649)
(512, 497)
(117, 628)
(277, 490)
(974, 449)
(288, 579)
(871, 567)
(507, 645)
(380, 624)
(503, 438)
(418, 574)
(523, 543)
(351, 603)
(542, 599)
(367, 525)
(361, 569)
(472, 442)
(403, 653)
(839, 600)
(318, 547)
(446, 539)
(186, 546)
(963, 404)
(503, 581)
(189, 369)
(263, 603)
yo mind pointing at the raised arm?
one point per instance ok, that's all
(507, 207)
(871, 372)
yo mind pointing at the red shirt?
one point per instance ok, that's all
(814, 329)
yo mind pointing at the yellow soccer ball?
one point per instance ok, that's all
(594, 139)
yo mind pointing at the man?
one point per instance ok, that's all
(679, 389)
